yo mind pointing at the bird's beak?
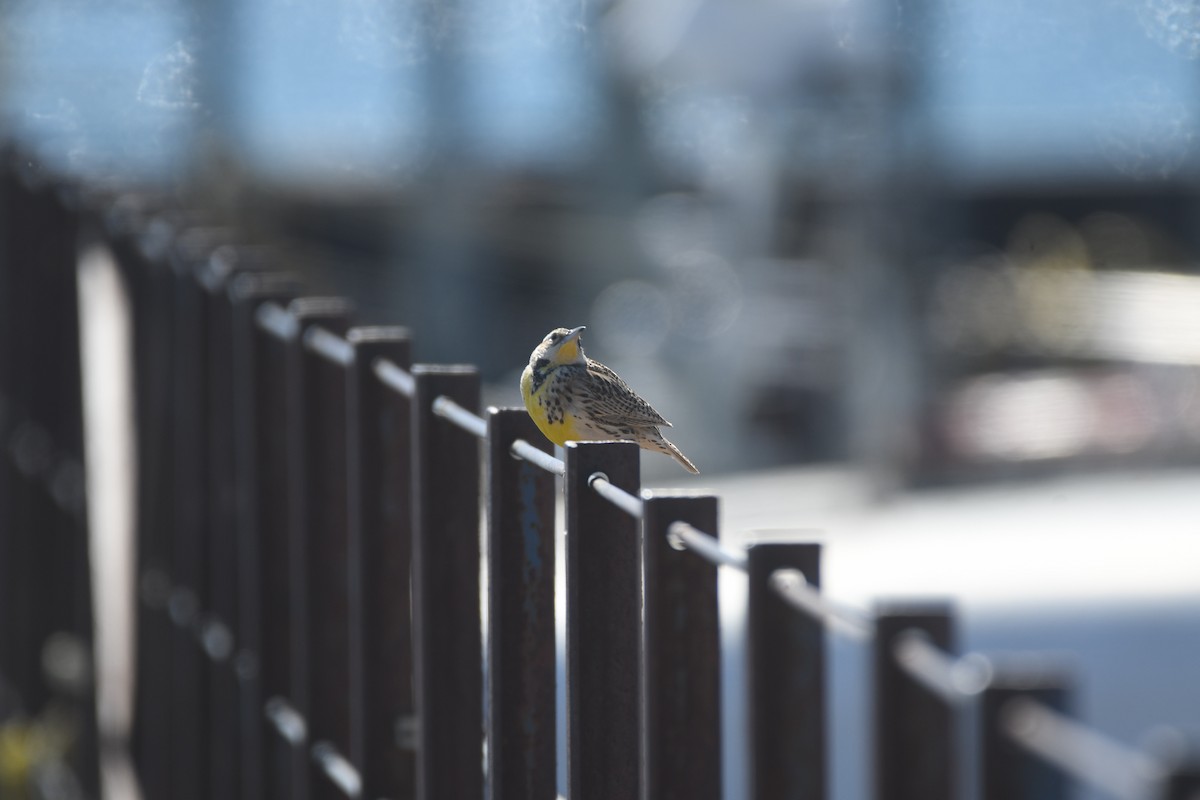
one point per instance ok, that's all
(569, 350)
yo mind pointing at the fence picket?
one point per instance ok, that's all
(381, 541)
(604, 595)
(188, 568)
(785, 654)
(328, 363)
(681, 656)
(446, 611)
(1010, 772)
(246, 293)
(914, 729)
(521, 667)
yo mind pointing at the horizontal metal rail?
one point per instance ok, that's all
(539, 458)
(683, 536)
(472, 423)
(1080, 751)
(620, 498)
(955, 679)
(394, 377)
(286, 720)
(337, 769)
(275, 319)
(329, 345)
(792, 586)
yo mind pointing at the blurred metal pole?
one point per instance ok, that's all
(246, 293)
(604, 595)
(188, 568)
(786, 672)
(381, 542)
(148, 281)
(914, 729)
(332, 485)
(218, 627)
(273, 327)
(279, 419)
(332, 314)
(1009, 771)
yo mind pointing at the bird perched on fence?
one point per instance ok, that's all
(574, 398)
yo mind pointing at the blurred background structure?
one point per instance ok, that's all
(936, 242)
(941, 239)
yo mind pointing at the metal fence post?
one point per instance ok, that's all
(1009, 772)
(328, 361)
(9, 594)
(914, 729)
(188, 569)
(521, 652)
(604, 597)
(280, 415)
(333, 314)
(216, 633)
(274, 327)
(149, 282)
(446, 610)
(786, 671)
(381, 543)
(681, 655)
(45, 580)
(246, 293)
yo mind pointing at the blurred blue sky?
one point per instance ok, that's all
(370, 89)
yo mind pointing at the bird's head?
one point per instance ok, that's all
(560, 347)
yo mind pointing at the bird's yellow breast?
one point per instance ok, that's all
(556, 422)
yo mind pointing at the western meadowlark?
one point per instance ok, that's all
(574, 398)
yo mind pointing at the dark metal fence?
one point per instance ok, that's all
(314, 514)
(45, 588)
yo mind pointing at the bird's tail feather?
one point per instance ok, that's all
(673, 451)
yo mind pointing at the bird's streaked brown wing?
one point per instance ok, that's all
(609, 399)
